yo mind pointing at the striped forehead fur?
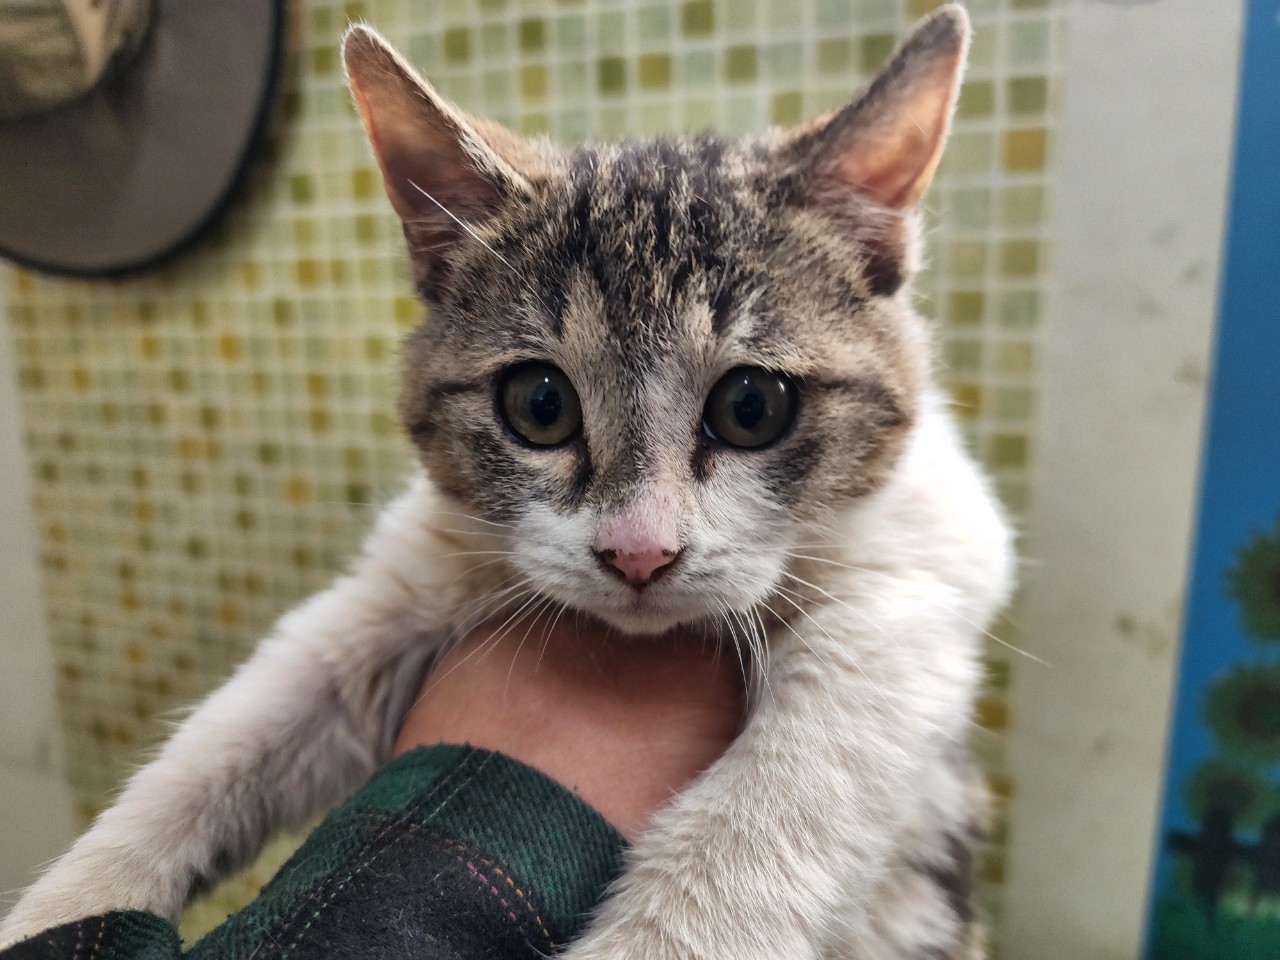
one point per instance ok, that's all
(649, 269)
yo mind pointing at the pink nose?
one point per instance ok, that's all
(640, 568)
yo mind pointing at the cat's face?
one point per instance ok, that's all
(662, 364)
(649, 276)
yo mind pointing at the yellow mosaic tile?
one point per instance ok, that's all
(1024, 150)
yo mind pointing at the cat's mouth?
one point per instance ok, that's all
(693, 594)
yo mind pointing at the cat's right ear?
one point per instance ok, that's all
(869, 164)
(444, 172)
(885, 146)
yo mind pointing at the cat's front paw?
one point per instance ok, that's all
(83, 885)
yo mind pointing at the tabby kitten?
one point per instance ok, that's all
(680, 382)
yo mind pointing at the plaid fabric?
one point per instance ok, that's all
(447, 852)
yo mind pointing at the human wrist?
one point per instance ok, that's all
(623, 722)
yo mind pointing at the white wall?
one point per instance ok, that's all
(1140, 203)
(35, 805)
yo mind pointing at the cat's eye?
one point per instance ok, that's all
(749, 407)
(539, 404)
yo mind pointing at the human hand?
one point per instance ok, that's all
(623, 722)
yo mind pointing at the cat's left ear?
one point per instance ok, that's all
(868, 164)
(885, 146)
(445, 172)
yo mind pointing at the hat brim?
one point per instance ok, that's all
(135, 171)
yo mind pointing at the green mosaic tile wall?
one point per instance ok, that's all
(209, 442)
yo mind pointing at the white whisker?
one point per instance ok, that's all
(834, 599)
(546, 637)
(849, 658)
(537, 612)
(888, 576)
(465, 226)
(468, 516)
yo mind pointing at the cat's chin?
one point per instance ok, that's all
(637, 622)
(647, 616)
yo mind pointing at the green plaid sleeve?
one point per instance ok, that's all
(447, 852)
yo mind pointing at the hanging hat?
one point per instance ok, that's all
(126, 125)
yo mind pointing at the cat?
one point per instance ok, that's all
(670, 379)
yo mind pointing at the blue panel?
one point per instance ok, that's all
(1216, 890)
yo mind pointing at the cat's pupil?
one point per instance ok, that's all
(749, 407)
(545, 403)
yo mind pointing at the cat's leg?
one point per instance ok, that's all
(925, 908)
(866, 693)
(301, 724)
(756, 859)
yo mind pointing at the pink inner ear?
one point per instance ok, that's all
(418, 157)
(885, 147)
(893, 166)
(424, 145)
(894, 170)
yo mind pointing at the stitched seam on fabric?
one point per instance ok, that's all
(374, 854)
(520, 894)
(454, 847)
(313, 895)
(460, 852)
(97, 941)
(447, 800)
(486, 884)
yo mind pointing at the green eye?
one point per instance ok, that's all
(539, 404)
(749, 407)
